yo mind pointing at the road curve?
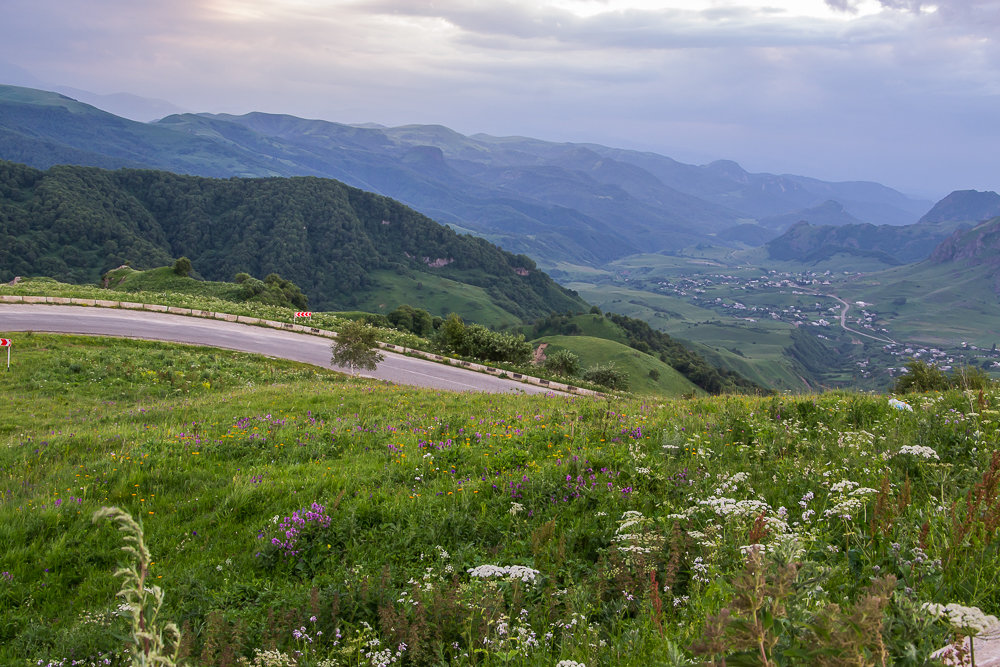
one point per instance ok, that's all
(301, 347)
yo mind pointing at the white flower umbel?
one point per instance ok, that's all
(509, 572)
(920, 451)
(970, 619)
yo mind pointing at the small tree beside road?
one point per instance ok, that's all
(356, 346)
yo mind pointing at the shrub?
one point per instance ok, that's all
(608, 376)
(415, 320)
(477, 341)
(182, 267)
(563, 362)
(921, 376)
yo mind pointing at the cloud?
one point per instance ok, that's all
(852, 93)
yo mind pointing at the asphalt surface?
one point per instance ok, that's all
(301, 347)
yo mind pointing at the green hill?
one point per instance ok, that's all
(646, 374)
(640, 336)
(75, 223)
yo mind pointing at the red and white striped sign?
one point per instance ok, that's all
(303, 314)
(4, 342)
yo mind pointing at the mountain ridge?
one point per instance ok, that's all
(579, 203)
(334, 241)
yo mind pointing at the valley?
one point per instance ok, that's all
(805, 329)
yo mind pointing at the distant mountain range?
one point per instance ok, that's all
(558, 202)
(892, 245)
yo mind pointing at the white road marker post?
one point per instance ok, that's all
(5, 342)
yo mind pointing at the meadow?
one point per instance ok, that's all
(295, 516)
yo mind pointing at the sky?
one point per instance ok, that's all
(902, 92)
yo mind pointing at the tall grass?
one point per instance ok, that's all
(296, 516)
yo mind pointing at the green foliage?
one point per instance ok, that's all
(814, 357)
(563, 362)
(75, 223)
(714, 380)
(923, 377)
(356, 346)
(182, 267)
(478, 342)
(273, 290)
(415, 320)
(144, 600)
(608, 376)
(633, 519)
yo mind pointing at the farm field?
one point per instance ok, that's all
(298, 517)
(754, 350)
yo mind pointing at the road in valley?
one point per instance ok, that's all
(301, 347)
(843, 318)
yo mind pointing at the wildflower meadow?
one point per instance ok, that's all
(294, 516)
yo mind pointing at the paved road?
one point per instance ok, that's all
(309, 349)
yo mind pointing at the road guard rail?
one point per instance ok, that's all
(288, 326)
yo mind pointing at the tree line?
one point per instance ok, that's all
(75, 223)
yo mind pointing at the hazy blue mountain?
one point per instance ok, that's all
(965, 206)
(893, 245)
(579, 203)
(972, 247)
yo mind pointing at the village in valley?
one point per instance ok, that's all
(816, 301)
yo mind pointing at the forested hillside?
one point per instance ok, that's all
(75, 223)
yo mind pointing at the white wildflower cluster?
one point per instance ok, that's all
(749, 549)
(860, 441)
(844, 486)
(269, 658)
(730, 483)
(578, 626)
(512, 636)
(919, 451)
(699, 570)
(900, 405)
(730, 507)
(94, 661)
(630, 519)
(96, 618)
(510, 572)
(971, 619)
(570, 663)
(376, 656)
(636, 451)
(634, 537)
(777, 524)
(849, 501)
(515, 508)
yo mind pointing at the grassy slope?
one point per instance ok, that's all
(163, 279)
(945, 303)
(437, 295)
(633, 363)
(206, 447)
(760, 344)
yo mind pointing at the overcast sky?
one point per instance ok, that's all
(904, 92)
